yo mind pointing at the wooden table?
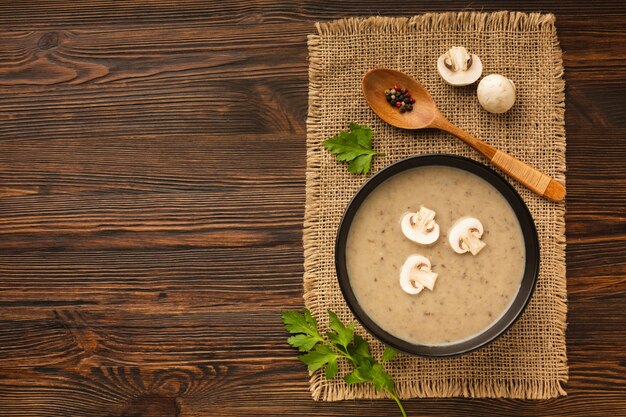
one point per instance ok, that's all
(151, 200)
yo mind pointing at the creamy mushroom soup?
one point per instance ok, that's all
(470, 292)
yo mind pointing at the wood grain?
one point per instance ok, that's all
(152, 165)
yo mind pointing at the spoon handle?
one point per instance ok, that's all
(533, 179)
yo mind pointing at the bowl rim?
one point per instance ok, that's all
(531, 244)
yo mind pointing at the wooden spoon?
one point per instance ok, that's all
(426, 115)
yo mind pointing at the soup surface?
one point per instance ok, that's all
(471, 292)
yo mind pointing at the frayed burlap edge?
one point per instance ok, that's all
(461, 21)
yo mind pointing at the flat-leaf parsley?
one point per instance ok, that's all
(340, 343)
(353, 146)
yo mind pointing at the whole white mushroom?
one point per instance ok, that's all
(496, 93)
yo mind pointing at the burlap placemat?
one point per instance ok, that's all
(529, 361)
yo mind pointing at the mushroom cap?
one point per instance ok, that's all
(415, 226)
(496, 93)
(462, 229)
(459, 74)
(416, 275)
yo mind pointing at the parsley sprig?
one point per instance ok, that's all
(353, 146)
(340, 343)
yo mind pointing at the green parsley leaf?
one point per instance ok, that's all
(388, 354)
(360, 164)
(303, 342)
(363, 135)
(359, 349)
(342, 343)
(354, 378)
(298, 323)
(380, 378)
(318, 358)
(343, 335)
(365, 370)
(331, 369)
(346, 147)
(308, 317)
(353, 146)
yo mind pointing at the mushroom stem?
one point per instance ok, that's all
(424, 278)
(465, 236)
(421, 227)
(425, 219)
(471, 242)
(457, 59)
(459, 67)
(416, 275)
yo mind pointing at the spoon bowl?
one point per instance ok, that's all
(424, 110)
(425, 115)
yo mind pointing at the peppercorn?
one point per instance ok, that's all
(400, 98)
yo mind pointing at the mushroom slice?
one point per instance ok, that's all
(458, 67)
(421, 227)
(465, 234)
(416, 275)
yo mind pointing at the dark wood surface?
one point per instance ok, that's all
(152, 193)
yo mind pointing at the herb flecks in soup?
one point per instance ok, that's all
(471, 292)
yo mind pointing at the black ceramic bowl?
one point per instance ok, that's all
(528, 280)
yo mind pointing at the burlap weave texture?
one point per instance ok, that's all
(529, 361)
